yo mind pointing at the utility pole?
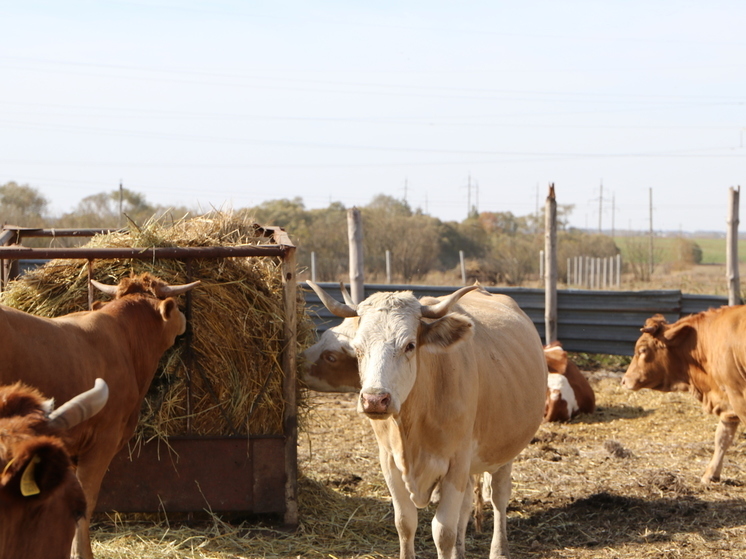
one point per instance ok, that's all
(600, 207)
(121, 202)
(651, 234)
(468, 197)
(613, 211)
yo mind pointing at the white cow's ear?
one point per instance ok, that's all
(446, 332)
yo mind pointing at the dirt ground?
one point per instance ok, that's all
(620, 483)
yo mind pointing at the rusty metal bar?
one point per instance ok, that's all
(37, 232)
(20, 252)
(290, 412)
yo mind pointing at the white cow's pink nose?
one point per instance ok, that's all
(375, 403)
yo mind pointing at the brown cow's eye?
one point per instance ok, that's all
(330, 358)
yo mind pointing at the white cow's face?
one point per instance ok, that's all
(390, 335)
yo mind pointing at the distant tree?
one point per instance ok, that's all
(102, 210)
(389, 206)
(454, 237)
(412, 239)
(687, 252)
(329, 243)
(22, 205)
(515, 256)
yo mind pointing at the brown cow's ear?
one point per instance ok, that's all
(677, 333)
(38, 469)
(168, 307)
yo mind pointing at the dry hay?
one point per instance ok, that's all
(237, 320)
(575, 494)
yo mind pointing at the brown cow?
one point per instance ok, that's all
(568, 391)
(41, 500)
(330, 363)
(703, 354)
(122, 341)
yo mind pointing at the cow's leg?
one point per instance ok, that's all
(405, 512)
(724, 434)
(467, 506)
(501, 485)
(91, 470)
(447, 519)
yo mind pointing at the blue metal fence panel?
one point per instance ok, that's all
(587, 321)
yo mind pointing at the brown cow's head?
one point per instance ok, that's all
(660, 358)
(41, 500)
(331, 363)
(160, 296)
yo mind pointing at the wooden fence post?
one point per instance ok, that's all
(731, 256)
(388, 266)
(357, 266)
(550, 278)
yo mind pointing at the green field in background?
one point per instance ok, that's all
(713, 250)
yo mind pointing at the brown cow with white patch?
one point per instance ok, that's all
(568, 391)
(452, 389)
(122, 341)
(704, 354)
(330, 363)
(41, 500)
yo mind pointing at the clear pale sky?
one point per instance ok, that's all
(226, 104)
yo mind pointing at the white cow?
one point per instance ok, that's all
(448, 398)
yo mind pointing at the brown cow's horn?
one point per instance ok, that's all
(348, 300)
(81, 407)
(173, 290)
(108, 289)
(440, 309)
(334, 306)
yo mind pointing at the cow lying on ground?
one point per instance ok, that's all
(448, 398)
(704, 354)
(122, 341)
(568, 391)
(41, 500)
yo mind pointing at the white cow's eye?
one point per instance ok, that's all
(409, 347)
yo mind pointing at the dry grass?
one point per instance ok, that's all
(621, 483)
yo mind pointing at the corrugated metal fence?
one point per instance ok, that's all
(588, 321)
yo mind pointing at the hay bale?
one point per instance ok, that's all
(237, 320)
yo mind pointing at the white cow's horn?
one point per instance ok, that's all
(440, 309)
(334, 306)
(81, 407)
(104, 288)
(173, 290)
(346, 295)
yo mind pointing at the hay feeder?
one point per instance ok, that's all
(247, 470)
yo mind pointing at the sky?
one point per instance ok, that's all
(447, 105)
